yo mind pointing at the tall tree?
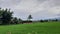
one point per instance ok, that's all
(1, 15)
(6, 16)
(20, 20)
(29, 17)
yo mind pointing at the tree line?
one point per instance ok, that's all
(6, 17)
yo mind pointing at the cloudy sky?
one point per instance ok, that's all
(39, 9)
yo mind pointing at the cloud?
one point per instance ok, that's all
(38, 8)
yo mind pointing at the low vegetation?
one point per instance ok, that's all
(34, 28)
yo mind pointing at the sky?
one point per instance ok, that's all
(39, 9)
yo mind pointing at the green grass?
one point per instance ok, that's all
(35, 28)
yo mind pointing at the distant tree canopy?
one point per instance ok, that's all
(29, 17)
(5, 16)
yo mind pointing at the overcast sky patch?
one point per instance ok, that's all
(39, 9)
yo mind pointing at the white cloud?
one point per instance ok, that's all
(38, 8)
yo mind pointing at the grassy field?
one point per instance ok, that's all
(35, 28)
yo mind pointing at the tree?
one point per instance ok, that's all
(15, 20)
(29, 17)
(1, 15)
(6, 16)
(20, 20)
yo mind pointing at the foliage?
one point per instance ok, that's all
(36, 28)
(15, 20)
(29, 17)
(6, 16)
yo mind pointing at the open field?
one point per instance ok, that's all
(35, 28)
